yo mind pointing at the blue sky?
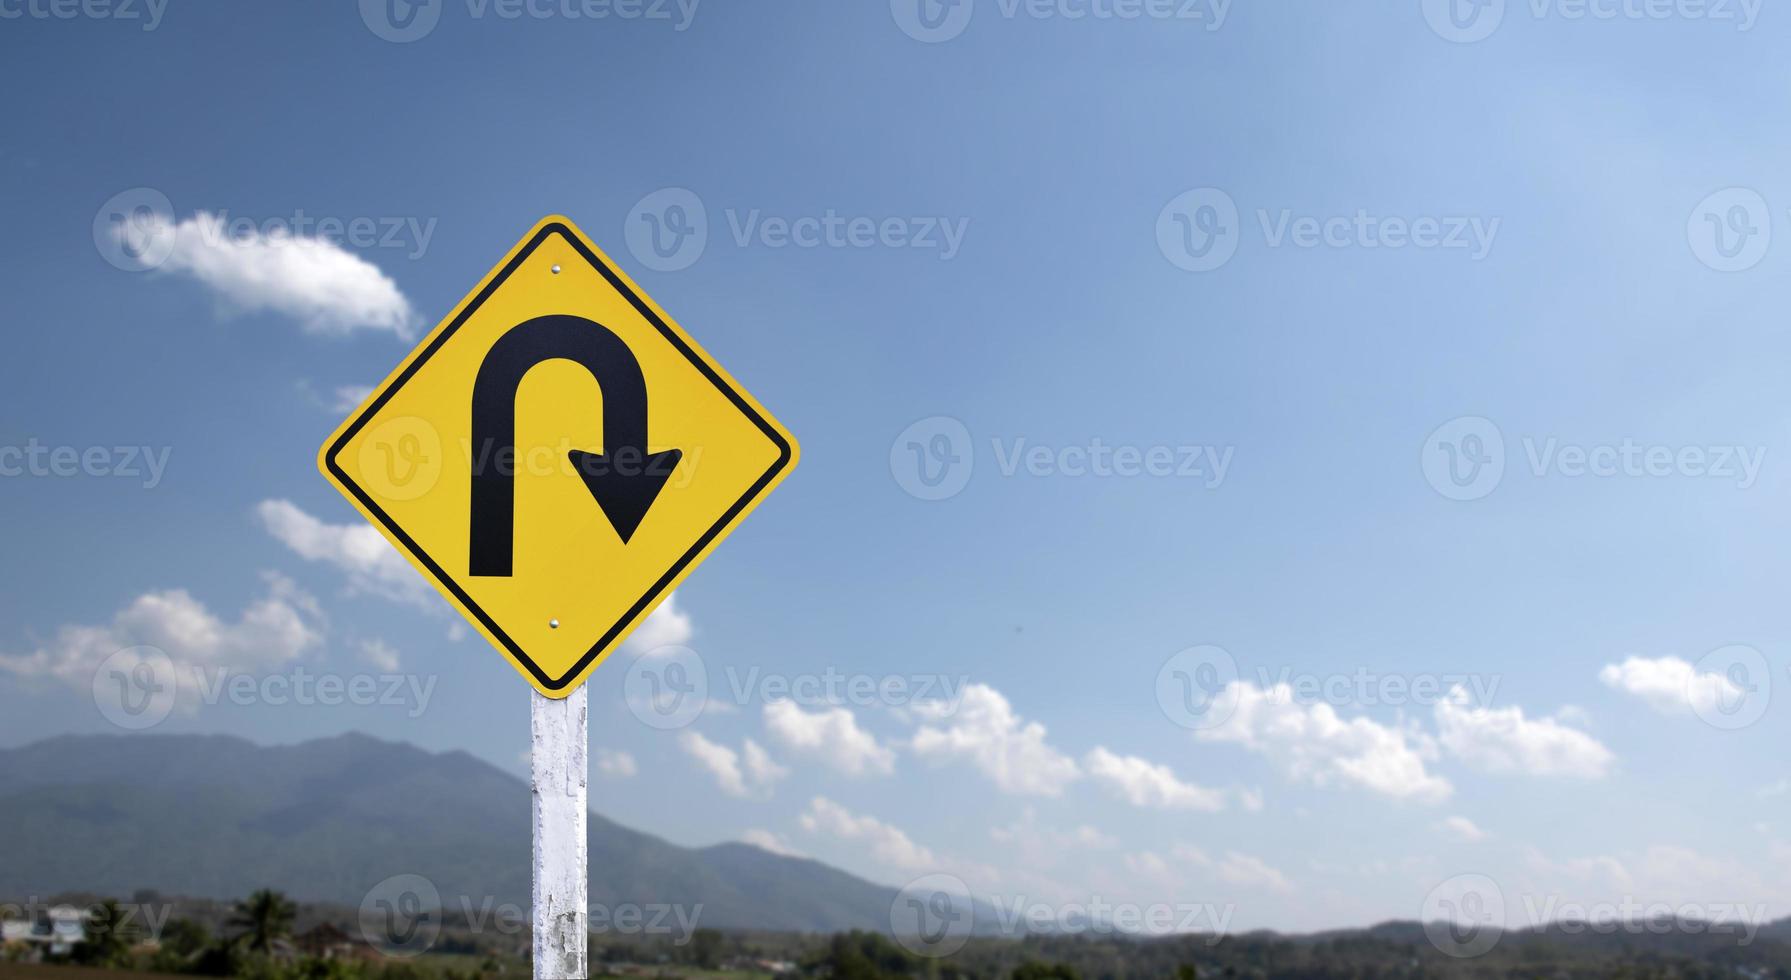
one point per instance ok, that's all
(1519, 231)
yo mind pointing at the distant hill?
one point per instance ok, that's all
(326, 820)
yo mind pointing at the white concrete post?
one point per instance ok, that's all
(558, 770)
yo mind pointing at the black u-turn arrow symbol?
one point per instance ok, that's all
(625, 479)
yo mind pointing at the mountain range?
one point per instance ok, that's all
(325, 821)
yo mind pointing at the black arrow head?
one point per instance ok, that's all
(626, 483)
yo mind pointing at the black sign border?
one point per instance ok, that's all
(785, 453)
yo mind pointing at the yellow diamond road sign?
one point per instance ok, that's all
(557, 456)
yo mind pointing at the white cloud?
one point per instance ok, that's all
(759, 766)
(328, 289)
(1310, 742)
(1189, 854)
(1184, 860)
(1146, 864)
(831, 734)
(1604, 869)
(887, 844)
(741, 774)
(1251, 872)
(1462, 829)
(1234, 868)
(984, 729)
(667, 627)
(768, 841)
(616, 763)
(1170, 869)
(1039, 846)
(722, 762)
(347, 398)
(1502, 740)
(380, 654)
(372, 565)
(1671, 685)
(281, 626)
(1146, 784)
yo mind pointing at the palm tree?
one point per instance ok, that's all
(263, 918)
